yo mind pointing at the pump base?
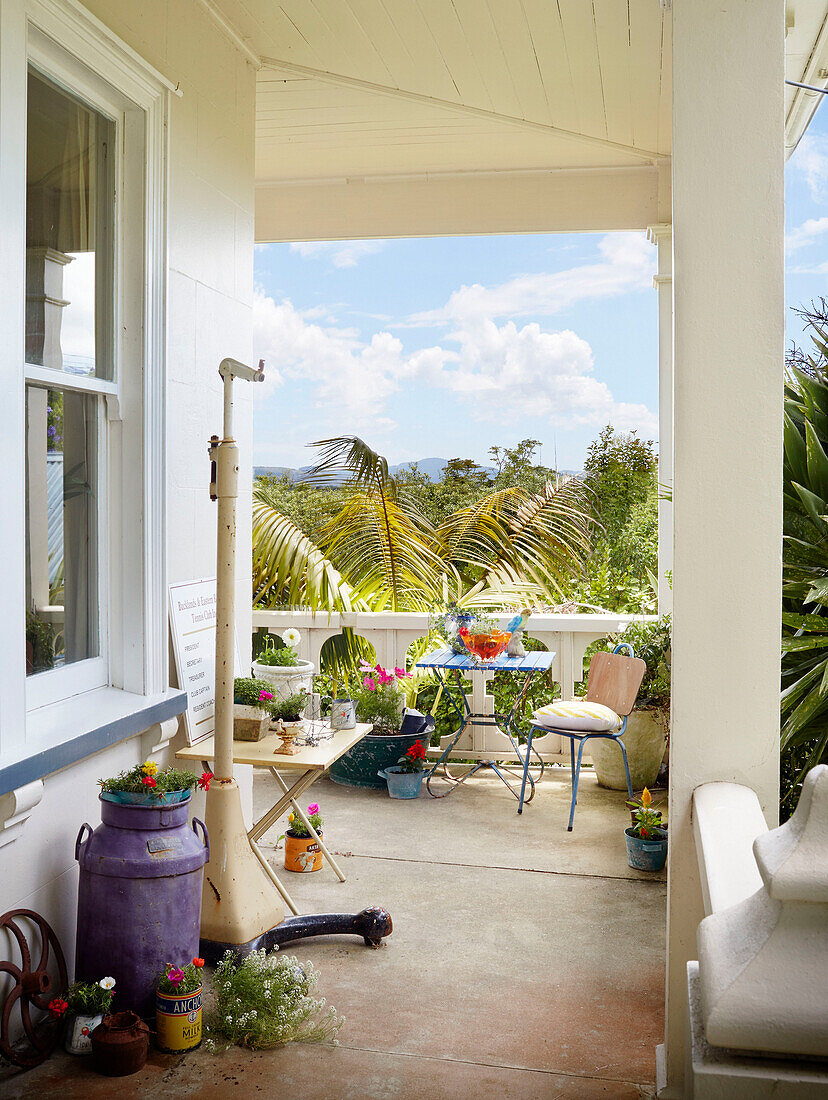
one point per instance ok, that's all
(373, 924)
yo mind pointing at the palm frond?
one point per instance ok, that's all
(289, 569)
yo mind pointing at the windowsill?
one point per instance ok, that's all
(97, 720)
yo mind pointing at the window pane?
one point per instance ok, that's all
(61, 528)
(69, 243)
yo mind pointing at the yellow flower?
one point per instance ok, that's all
(149, 767)
(646, 797)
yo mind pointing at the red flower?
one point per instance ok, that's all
(149, 781)
(204, 782)
(417, 752)
(198, 962)
(57, 1007)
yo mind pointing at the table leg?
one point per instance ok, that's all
(271, 874)
(310, 827)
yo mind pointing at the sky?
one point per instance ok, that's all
(445, 347)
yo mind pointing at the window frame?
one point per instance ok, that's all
(76, 50)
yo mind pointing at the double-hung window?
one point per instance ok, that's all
(70, 370)
(91, 642)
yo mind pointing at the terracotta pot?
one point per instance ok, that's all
(120, 1044)
(302, 854)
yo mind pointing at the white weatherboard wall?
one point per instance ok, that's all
(210, 282)
(729, 343)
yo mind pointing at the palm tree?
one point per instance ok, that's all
(380, 553)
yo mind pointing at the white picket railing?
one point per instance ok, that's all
(391, 633)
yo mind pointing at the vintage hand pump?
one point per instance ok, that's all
(239, 903)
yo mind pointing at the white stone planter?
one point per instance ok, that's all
(79, 1033)
(287, 679)
(645, 739)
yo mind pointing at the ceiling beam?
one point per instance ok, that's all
(342, 81)
(458, 204)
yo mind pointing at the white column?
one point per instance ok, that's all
(728, 66)
(661, 235)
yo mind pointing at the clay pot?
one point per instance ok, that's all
(645, 740)
(120, 1044)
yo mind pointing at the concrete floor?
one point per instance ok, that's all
(525, 961)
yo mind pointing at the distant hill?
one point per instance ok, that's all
(431, 467)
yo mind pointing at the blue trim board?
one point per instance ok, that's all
(70, 752)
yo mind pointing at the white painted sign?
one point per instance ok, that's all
(193, 627)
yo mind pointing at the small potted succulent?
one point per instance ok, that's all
(302, 853)
(405, 778)
(646, 839)
(178, 1007)
(287, 714)
(84, 1006)
(148, 785)
(280, 665)
(252, 708)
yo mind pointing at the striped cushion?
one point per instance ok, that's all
(578, 714)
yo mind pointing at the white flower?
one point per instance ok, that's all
(107, 983)
(291, 636)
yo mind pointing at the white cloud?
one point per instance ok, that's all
(811, 159)
(340, 253)
(628, 264)
(497, 373)
(806, 233)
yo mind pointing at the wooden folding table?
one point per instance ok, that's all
(307, 765)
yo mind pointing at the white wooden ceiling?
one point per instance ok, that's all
(399, 86)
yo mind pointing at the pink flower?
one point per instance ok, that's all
(175, 975)
(264, 695)
(369, 683)
(313, 808)
(400, 673)
(364, 666)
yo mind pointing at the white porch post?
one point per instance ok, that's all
(728, 66)
(661, 235)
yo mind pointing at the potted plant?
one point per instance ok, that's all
(406, 777)
(40, 643)
(279, 664)
(147, 785)
(252, 708)
(646, 841)
(645, 802)
(289, 724)
(178, 1007)
(645, 737)
(302, 853)
(84, 1006)
(379, 701)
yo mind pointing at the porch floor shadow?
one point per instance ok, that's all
(525, 962)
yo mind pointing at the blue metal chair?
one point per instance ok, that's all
(614, 680)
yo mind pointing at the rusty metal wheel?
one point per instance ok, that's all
(34, 988)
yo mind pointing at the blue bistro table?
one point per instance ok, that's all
(446, 663)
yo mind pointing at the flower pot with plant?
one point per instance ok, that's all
(280, 665)
(645, 737)
(646, 840)
(178, 1007)
(645, 802)
(302, 851)
(252, 708)
(380, 701)
(147, 785)
(405, 778)
(83, 1008)
(287, 714)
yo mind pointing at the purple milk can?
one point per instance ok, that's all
(139, 899)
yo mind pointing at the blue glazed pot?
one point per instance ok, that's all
(402, 784)
(646, 855)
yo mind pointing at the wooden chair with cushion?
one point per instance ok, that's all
(614, 681)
